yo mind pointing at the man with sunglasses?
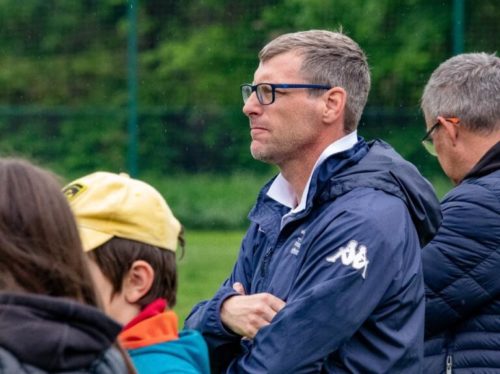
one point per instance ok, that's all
(461, 105)
(329, 275)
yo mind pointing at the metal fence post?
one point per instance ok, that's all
(132, 89)
(458, 26)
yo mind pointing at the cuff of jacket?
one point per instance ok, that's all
(213, 312)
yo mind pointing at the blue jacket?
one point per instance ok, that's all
(348, 267)
(461, 271)
(187, 355)
(155, 345)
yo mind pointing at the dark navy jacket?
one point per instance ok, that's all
(348, 267)
(462, 276)
(42, 334)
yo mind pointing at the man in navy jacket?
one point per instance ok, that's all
(461, 104)
(329, 277)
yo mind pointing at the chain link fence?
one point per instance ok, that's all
(153, 86)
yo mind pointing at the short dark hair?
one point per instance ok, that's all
(116, 256)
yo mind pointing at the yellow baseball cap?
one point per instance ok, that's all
(108, 205)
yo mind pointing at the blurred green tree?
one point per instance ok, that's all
(64, 89)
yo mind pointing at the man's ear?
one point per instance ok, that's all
(451, 130)
(334, 109)
(138, 281)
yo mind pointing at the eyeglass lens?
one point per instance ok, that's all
(263, 91)
(246, 91)
(428, 142)
(429, 147)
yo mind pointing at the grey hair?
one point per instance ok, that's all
(466, 86)
(329, 58)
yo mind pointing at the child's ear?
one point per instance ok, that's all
(138, 281)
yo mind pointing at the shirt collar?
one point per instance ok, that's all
(282, 191)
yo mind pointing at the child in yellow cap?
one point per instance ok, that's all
(130, 236)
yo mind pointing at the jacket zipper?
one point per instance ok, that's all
(449, 338)
(265, 263)
(449, 364)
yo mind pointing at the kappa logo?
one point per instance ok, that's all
(353, 254)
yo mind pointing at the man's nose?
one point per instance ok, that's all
(252, 105)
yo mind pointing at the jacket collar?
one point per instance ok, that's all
(489, 163)
(282, 191)
(267, 211)
(366, 165)
(153, 326)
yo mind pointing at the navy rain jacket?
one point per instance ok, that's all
(348, 267)
(462, 276)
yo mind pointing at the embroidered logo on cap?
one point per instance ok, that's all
(73, 190)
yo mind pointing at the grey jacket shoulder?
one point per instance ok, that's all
(110, 363)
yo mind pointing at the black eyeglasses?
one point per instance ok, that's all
(427, 141)
(266, 92)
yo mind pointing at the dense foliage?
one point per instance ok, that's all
(64, 94)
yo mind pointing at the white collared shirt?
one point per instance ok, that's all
(282, 191)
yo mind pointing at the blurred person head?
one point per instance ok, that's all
(40, 249)
(294, 123)
(41, 253)
(130, 236)
(461, 106)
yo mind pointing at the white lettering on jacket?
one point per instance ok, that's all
(296, 246)
(353, 254)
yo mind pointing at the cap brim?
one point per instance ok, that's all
(91, 239)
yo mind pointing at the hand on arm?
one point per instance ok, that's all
(247, 314)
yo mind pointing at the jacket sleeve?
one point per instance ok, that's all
(461, 263)
(333, 295)
(222, 343)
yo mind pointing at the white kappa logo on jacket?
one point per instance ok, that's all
(353, 254)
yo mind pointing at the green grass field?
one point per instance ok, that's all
(208, 260)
